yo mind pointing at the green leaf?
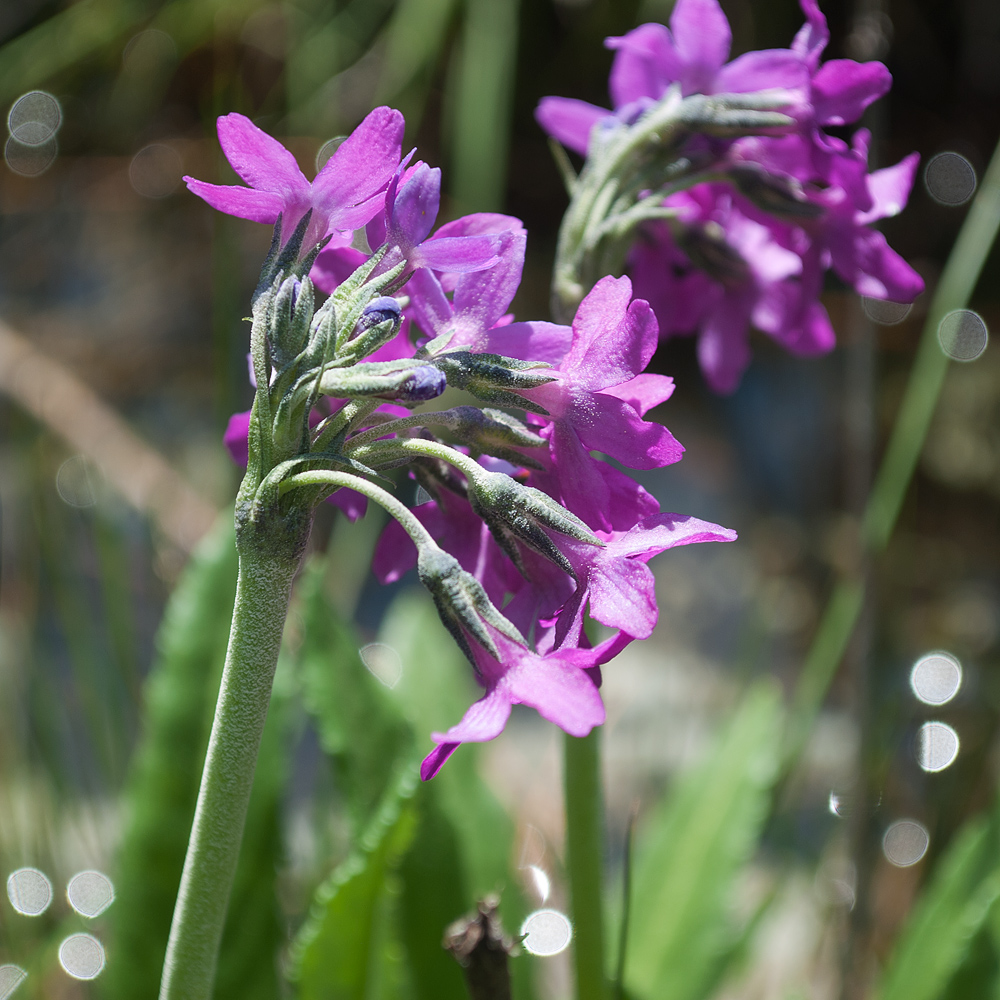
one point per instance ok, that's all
(345, 950)
(950, 912)
(690, 852)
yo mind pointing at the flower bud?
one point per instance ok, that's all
(408, 382)
(494, 378)
(514, 512)
(462, 602)
(780, 196)
(707, 247)
(291, 314)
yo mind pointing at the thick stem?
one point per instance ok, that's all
(585, 861)
(262, 595)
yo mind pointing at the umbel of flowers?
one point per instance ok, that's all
(718, 187)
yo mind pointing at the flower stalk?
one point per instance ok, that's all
(262, 595)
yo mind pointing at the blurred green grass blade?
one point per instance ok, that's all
(81, 31)
(690, 852)
(481, 96)
(359, 725)
(163, 787)
(345, 949)
(414, 41)
(950, 912)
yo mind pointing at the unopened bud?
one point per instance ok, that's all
(707, 247)
(780, 196)
(494, 378)
(412, 383)
(291, 314)
(461, 601)
(493, 432)
(514, 512)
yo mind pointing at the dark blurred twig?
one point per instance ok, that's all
(482, 949)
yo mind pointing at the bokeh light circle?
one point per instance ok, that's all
(546, 932)
(90, 893)
(962, 335)
(82, 956)
(29, 891)
(949, 178)
(937, 746)
(936, 678)
(905, 842)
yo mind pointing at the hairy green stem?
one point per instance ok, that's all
(585, 861)
(262, 595)
(958, 280)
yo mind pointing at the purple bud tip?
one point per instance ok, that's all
(380, 310)
(425, 382)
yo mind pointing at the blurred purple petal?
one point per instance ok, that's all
(843, 88)
(569, 121)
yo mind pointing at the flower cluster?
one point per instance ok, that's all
(742, 223)
(525, 531)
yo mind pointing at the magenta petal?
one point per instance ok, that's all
(243, 202)
(479, 223)
(569, 121)
(259, 158)
(353, 504)
(613, 336)
(482, 297)
(890, 188)
(416, 206)
(484, 720)
(236, 437)
(532, 340)
(607, 424)
(433, 762)
(429, 306)
(879, 271)
(363, 164)
(843, 88)
(458, 253)
(762, 70)
(723, 348)
(646, 63)
(701, 36)
(623, 596)
(812, 37)
(559, 690)
(643, 392)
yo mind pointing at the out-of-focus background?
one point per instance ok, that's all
(122, 354)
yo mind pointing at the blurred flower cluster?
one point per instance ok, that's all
(749, 224)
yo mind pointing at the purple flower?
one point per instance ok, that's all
(735, 256)
(557, 685)
(599, 397)
(615, 579)
(346, 193)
